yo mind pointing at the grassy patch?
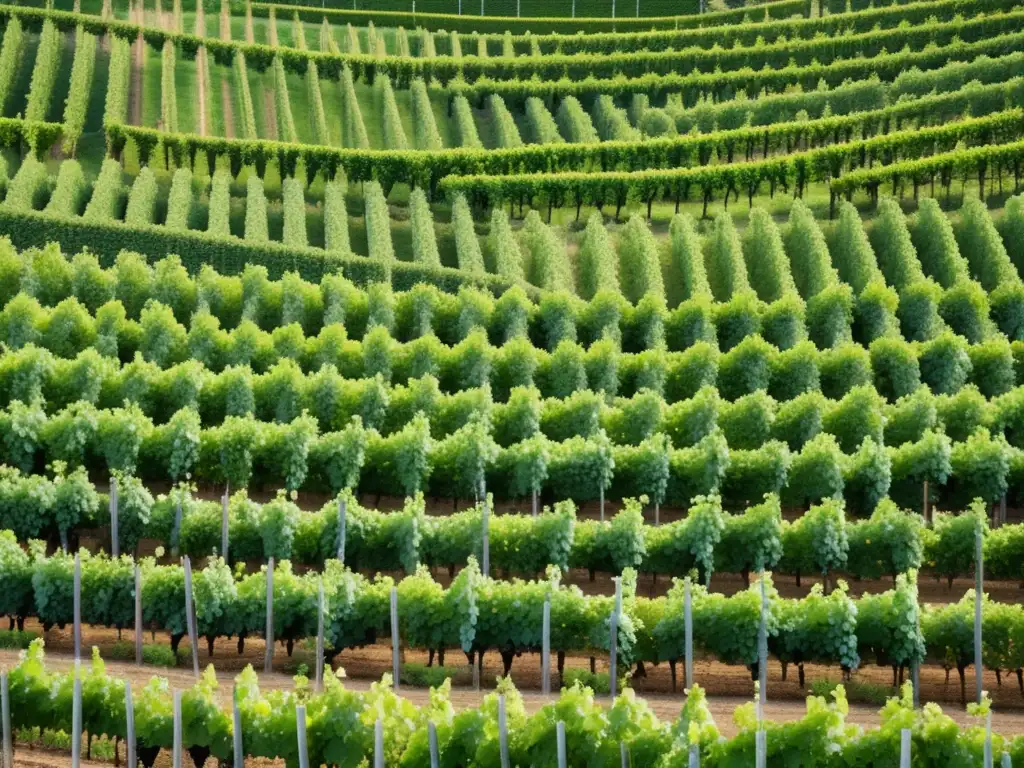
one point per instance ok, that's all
(857, 691)
(13, 639)
(422, 676)
(159, 655)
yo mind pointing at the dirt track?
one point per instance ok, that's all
(666, 706)
(731, 684)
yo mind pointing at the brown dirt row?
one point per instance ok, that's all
(368, 663)
(229, 112)
(666, 705)
(269, 111)
(201, 95)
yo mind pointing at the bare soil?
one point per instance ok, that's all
(269, 112)
(201, 83)
(722, 702)
(229, 110)
(368, 663)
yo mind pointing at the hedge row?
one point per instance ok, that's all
(823, 541)
(746, 34)
(989, 58)
(44, 73)
(470, 24)
(28, 229)
(10, 59)
(622, 150)
(921, 310)
(992, 31)
(282, 392)
(794, 171)
(77, 104)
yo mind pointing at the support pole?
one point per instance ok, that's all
(77, 609)
(378, 727)
(129, 717)
(5, 716)
(545, 649)
(762, 649)
(224, 540)
(342, 522)
(138, 617)
(485, 520)
(987, 754)
(268, 659)
(435, 755)
(190, 618)
(688, 632)
(613, 648)
(320, 638)
(236, 736)
(176, 738)
(905, 748)
(979, 585)
(396, 668)
(560, 743)
(176, 531)
(115, 544)
(502, 732)
(300, 732)
(76, 722)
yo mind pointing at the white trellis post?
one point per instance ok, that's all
(435, 756)
(320, 638)
(5, 715)
(688, 633)
(76, 722)
(502, 732)
(268, 659)
(545, 649)
(236, 735)
(979, 585)
(485, 520)
(342, 522)
(77, 609)
(138, 616)
(905, 748)
(396, 668)
(176, 732)
(300, 732)
(378, 734)
(762, 649)
(129, 717)
(224, 540)
(190, 618)
(987, 754)
(115, 545)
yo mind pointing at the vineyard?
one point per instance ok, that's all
(666, 351)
